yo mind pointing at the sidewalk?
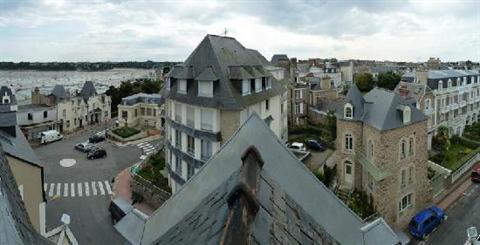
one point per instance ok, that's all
(454, 195)
(122, 188)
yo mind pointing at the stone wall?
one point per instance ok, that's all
(151, 194)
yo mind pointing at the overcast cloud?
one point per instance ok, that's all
(116, 30)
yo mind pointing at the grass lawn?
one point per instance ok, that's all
(125, 132)
(453, 156)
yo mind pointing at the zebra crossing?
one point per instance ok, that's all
(78, 189)
(147, 148)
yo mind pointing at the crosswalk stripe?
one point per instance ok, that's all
(100, 185)
(59, 188)
(79, 189)
(45, 186)
(107, 185)
(142, 144)
(87, 189)
(65, 189)
(72, 189)
(52, 188)
(94, 189)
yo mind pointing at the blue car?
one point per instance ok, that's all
(426, 221)
(315, 145)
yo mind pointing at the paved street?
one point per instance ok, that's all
(462, 214)
(82, 190)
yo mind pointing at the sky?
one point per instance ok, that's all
(118, 30)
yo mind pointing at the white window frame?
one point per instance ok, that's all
(182, 86)
(167, 83)
(348, 108)
(348, 142)
(206, 149)
(190, 117)
(405, 202)
(178, 112)
(269, 82)
(205, 89)
(403, 149)
(258, 85)
(207, 118)
(407, 115)
(246, 89)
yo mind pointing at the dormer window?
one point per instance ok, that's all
(407, 113)
(348, 111)
(440, 84)
(269, 82)
(167, 83)
(205, 88)
(182, 86)
(245, 87)
(450, 83)
(258, 85)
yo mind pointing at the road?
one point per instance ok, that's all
(82, 190)
(464, 213)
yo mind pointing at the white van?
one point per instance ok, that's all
(50, 136)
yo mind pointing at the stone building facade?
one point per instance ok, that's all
(142, 111)
(382, 149)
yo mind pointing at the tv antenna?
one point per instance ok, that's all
(225, 31)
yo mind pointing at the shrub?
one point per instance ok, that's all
(361, 203)
(125, 132)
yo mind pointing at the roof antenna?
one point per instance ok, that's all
(225, 31)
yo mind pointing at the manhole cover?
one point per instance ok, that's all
(66, 163)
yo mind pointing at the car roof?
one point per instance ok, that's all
(423, 215)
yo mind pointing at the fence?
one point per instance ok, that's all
(470, 160)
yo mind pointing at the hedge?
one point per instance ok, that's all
(465, 141)
(125, 132)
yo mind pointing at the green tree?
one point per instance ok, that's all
(364, 82)
(388, 80)
(332, 124)
(441, 141)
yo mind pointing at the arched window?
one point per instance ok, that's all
(348, 142)
(348, 111)
(403, 149)
(411, 146)
(427, 104)
(440, 84)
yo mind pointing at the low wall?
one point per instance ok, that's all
(138, 136)
(151, 194)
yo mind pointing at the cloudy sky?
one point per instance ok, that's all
(117, 30)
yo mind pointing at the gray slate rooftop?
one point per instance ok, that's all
(434, 76)
(15, 226)
(294, 206)
(143, 98)
(215, 57)
(59, 92)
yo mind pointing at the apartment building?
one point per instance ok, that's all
(210, 95)
(34, 119)
(142, 111)
(382, 149)
(75, 110)
(450, 98)
(24, 165)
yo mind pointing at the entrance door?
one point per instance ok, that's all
(348, 173)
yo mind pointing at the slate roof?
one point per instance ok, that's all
(15, 226)
(59, 92)
(276, 58)
(379, 108)
(207, 75)
(88, 90)
(222, 55)
(288, 206)
(434, 76)
(17, 146)
(143, 98)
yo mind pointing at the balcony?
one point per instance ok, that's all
(376, 172)
(445, 109)
(463, 103)
(454, 106)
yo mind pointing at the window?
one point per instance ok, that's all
(264, 83)
(405, 203)
(30, 116)
(154, 112)
(45, 114)
(191, 145)
(142, 111)
(136, 112)
(298, 94)
(167, 83)
(206, 150)
(190, 117)
(267, 104)
(406, 114)
(403, 182)
(206, 119)
(281, 108)
(411, 146)
(348, 111)
(252, 85)
(258, 85)
(182, 86)
(403, 149)
(190, 171)
(178, 138)
(269, 82)
(348, 142)
(178, 113)
(245, 87)
(348, 168)
(64, 112)
(410, 175)
(370, 150)
(427, 104)
(205, 88)
(68, 123)
(178, 165)
(149, 111)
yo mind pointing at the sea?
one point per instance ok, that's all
(22, 82)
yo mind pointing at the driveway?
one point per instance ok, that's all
(81, 188)
(317, 159)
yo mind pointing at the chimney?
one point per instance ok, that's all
(242, 201)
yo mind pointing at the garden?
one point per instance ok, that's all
(125, 132)
(152, 170)
(322, 132)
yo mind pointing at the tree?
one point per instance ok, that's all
(128, 88)
(364, 82)
(332, 124)
(388, 80)
(441, 141)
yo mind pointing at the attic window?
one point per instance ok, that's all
(407, 113)
(205, 88)
(182, 86)
(167, 83)
(245, 87)
(348, 111)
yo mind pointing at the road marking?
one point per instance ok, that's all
(100, 185)
(65, 190)
(45, 186)
(94, 189)
(79, 189)
(72, 189)
(87, 189)
(142, 144)
(107, 185)
(59, 188)
(52, 188)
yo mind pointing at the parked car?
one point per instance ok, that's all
(426, 221)
(476, 174)
(316, 145)
(96, 138)
(49, 136)
(84, 147)
(97, 153)
(298, 146)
